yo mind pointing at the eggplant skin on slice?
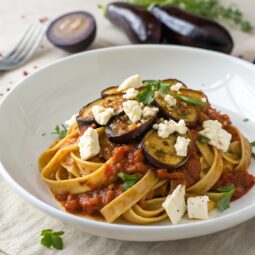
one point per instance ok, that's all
(85, 115)
(161, 152)
(122, 131)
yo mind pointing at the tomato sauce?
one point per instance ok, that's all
(128, 159)
(187, 174)
(242, 180)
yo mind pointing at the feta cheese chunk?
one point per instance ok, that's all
(167, 128)
(198, 207)
(101, 114)
(134, 81)
(133, 110)
(171, 101)
(218, 137)
(89, 144)
(71, 121)
(175, 204)
(181, 146)
(131, 93)
(176, 87)
(149, 111)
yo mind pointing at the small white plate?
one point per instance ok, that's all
(53, 94)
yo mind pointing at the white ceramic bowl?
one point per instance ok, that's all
(52, 94)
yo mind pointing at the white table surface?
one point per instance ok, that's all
(20, 223)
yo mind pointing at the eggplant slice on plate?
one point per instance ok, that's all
(161, 152)
(182, 110)
(122, 131)
(85, 115)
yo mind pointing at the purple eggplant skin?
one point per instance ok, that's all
(130, 135)
(72, 32)
(181, 27)
(139, 25)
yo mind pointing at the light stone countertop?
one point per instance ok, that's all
(21, 223)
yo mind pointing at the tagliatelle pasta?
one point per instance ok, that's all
(138, 164)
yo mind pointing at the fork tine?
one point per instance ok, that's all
(20, 42)
(31, 47)
(29, 43)
(24, 44)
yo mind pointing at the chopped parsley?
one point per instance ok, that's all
(224, 202)
(128, 179)
(60, 132)
(246, 120)
(146, 96)
(211, 9)
(253, 144)
(253, 155)
(203, 139)
(52, 239)
(43, 134)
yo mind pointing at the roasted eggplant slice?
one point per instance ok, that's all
(174, 81)
(111, 91)
(161, 152)
(114, 91)
(182, 110)
(196, 94)
(121, 130)
(85, 115)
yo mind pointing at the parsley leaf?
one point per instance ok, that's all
(129, 180)
(146, 96)
(203, 139)
(246, 120)
(61, 133)
(224, 202)
(253, 155)
(52, 239)
(253, 144)
(211, 9)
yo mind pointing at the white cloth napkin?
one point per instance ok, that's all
(21, 223)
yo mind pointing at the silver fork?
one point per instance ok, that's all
(24, 49)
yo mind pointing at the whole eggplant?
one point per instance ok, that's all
(139, 25)
(183, 28)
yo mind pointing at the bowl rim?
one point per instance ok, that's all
(232, 219)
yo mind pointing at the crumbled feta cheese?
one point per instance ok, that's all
(181, 146)
(181, 127)
(198, 207)
(175, 204)
(133, 110)
(131, 93)
(101, 114)
(71, 121)
(176, 87)
(170, 100)
(89, 144)
(218, 137)
(134, 81)
(149, 111)
(167, 128)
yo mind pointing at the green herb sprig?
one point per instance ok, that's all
(224, 202)
(146, 96)
(211, 9)
(203, 139)
(52, 239)
(61, 133)
(253, 144)
(189, 100)
(128, 179)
